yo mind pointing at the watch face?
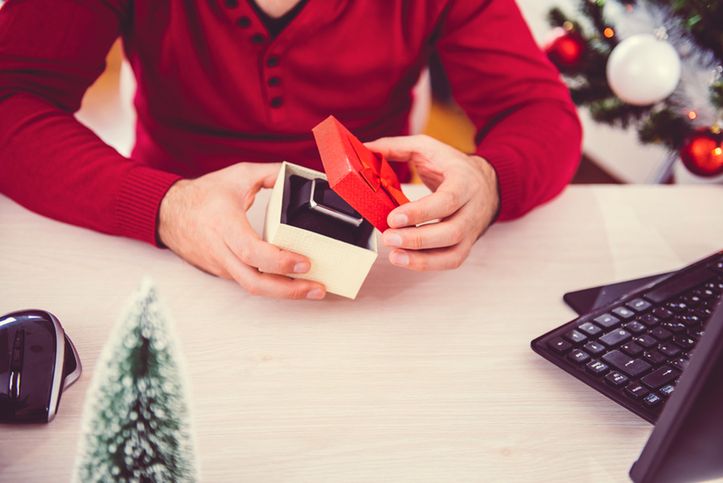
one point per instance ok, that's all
(325, 196)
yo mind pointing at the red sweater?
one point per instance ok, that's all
(214, 89)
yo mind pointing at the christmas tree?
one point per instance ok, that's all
(654, 65)
(136, 426)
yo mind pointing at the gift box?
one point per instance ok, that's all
(330, 217)
(340, 265)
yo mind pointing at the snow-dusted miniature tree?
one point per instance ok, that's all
(136, 416)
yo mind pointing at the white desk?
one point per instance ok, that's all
(426, 377)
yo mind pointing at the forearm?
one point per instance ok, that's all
(52, 164)
(50, 52)
(535, 151)
(527, 126)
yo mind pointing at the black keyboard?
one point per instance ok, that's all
(634, 350)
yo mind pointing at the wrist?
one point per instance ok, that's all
(490, 184)
(169, 211)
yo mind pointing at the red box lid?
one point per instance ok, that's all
(362, 178)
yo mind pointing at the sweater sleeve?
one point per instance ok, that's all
(526, 124)
(51, 51)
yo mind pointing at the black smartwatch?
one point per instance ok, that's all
(313, 205)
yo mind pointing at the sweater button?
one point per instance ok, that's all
(257, 38)
(244, 22)
(276, 102)
(274, 81)
(272, 61)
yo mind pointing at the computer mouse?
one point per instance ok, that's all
(37, 362)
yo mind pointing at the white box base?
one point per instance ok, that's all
(340, 266)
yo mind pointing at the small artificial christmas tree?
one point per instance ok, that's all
(654, 65)
(136, 418)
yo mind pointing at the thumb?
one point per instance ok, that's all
(400, 148)
(262, 175)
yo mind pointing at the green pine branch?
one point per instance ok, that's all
(702, 19)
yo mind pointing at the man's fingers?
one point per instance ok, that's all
(264, 174)
(270, 285)
(427, 260)
(446, 233)
(404, 148)
(253, 251)
(451, 195)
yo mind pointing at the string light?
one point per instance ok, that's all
(608, 33)
(567, 25)
(692, 115)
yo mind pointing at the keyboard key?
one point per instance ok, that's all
(667, 390)
(594, 348)
(597, 368)
(646, 340)
(680, 363)
(660, 377)
(674, 327)
(678, 284)
(559, 345)
(652, 400)
(704, 313)
(662, 313)
(624, 363)
(575, 336)
(636, 391)
(578, 356)
(606, 320)
(660, 334)
(631, 349)
(615, 337)
(623, 312)
(684, 341)
(690, 320)
(692, 300)
(639, 305)
(712, 286)
(669, 349)
(654, 357)
(649, 319)
(590, 329)
(616, 379)
(677, 307)
(707, 303)
(635, 327)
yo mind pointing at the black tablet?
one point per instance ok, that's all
(587, 300)
(687, 442)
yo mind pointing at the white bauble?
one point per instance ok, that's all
(643, 70)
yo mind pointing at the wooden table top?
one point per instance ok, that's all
(425, 377)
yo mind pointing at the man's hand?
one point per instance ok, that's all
(204, 222)
(464, 200)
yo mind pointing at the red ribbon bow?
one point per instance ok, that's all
(378, 173)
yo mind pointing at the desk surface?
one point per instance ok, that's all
(425, 377)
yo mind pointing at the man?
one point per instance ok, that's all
(227, 88)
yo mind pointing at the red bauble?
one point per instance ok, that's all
(702, 153)
(565, 48)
